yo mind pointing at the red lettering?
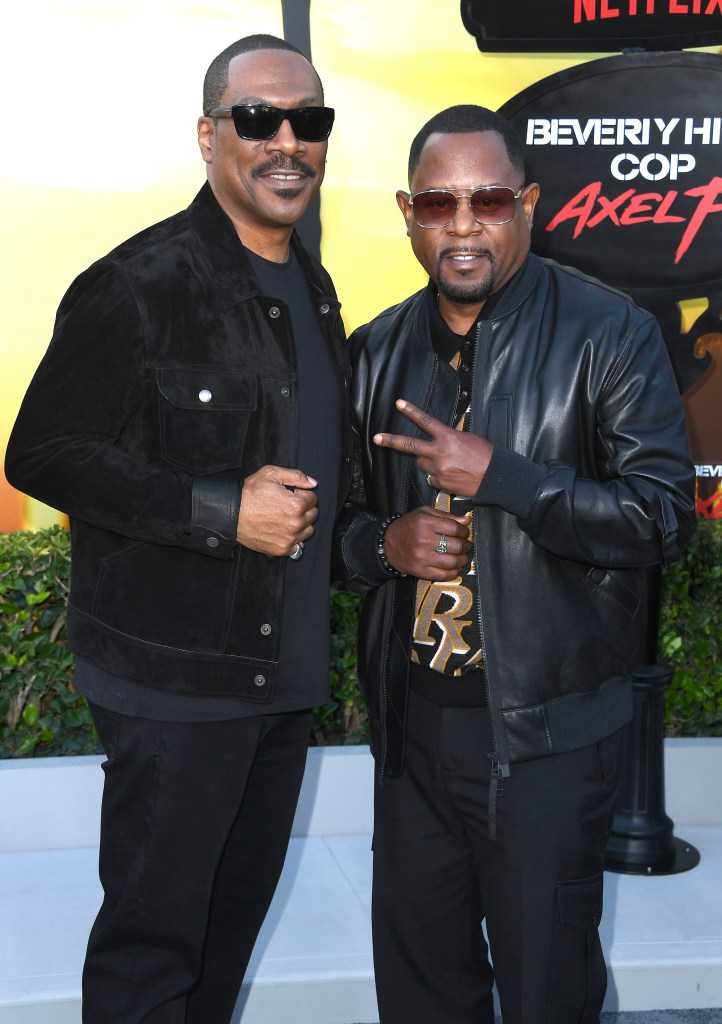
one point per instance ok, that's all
(609, 208)
(580, 207)
(590, 208)
(660, 216)
(586, 8)
(639, 205)
(707, 195)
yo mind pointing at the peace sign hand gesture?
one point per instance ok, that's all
(454, 461)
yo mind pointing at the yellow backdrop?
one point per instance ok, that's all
(100, 100)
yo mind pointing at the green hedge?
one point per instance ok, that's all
(690, 635)
(42, 714)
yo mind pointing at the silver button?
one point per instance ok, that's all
(274, 312)
(212, 542)
(265, 629)
(205, 395)
(260, 680)
(324, 308)
(285, 391)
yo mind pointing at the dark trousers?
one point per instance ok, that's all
(195, 825)
(538, 886)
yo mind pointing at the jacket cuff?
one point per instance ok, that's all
(511, 482)
(358, 548)
(214, 520)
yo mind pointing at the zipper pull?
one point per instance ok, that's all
(496, 789)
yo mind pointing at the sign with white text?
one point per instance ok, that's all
(627, 152)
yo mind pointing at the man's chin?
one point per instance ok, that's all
(466, 295)
(288, 194)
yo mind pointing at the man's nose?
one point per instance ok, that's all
(464, 221)
(285, 140)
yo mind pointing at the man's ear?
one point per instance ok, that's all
(206, 131)
(404, 204)
(529, 200)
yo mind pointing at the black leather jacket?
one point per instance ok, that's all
(169, 379)
(590, 484)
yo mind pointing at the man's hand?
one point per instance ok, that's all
(278, 509)
(412, 544)
(454, 461)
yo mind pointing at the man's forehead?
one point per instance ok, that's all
(263, 74)
(472, 157)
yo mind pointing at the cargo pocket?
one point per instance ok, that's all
(579, 902)
(204, 416)
(578, 976)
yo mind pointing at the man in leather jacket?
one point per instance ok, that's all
(522, 461)
(190, 416)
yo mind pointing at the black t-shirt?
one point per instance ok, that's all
(303, 676)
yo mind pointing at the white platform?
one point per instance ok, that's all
(312, 964)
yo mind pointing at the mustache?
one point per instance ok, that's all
(284, 163)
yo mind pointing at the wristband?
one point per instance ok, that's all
(380, 545)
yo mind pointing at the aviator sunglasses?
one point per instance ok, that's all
(257, 121)
(490, 204)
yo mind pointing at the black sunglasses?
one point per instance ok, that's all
(490, 204)
(256, 121)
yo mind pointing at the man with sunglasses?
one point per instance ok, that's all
(191, 417)
(524, 461)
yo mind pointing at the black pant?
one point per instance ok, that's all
(194, 830)
(538, 886)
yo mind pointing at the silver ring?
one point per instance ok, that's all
(428, 478)
(441, 549)
(296, 553)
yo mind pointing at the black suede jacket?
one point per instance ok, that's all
(169, 379)
(590, 484)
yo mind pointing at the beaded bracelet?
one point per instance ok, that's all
(380, 548)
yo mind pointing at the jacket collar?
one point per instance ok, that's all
(230, 268)
(520, 287)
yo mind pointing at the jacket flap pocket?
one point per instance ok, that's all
(579, 902)
(211, 389)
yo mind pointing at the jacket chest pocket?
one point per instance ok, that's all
(204, 416)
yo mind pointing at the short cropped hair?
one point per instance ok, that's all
(465, 119)
(216, 80)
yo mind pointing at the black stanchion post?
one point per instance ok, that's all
(642, 840)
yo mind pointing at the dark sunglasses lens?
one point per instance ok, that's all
(434, 209)
(311, 124)
(256, 122)
(492, 205)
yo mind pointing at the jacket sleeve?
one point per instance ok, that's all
(638, 508)
(355, 564)
(70, 445)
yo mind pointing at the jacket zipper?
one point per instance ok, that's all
(499, 769)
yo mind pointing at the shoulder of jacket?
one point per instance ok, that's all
(175, 229)
(584, 284)
(377, 330)
(596, 296)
